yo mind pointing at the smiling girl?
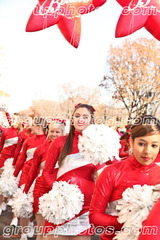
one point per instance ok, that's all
(75, 170)
(139, 169)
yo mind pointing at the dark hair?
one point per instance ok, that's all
(67, 148)
(17, 114)
(145, 125)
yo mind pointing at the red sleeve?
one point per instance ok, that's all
(3, 136)
(34, 170)
(122, 152)
(8, 118)
(18, 149)
(102, 193)
(52, 157)
(21, 159)
(151, 226)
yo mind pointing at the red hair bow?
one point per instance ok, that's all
(63, 121)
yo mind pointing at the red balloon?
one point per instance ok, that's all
(65, 13)
(151, 226)
(137, 14)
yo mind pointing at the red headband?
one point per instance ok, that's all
(63, 121)
(88, 105)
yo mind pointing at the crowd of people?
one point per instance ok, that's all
(46, 160)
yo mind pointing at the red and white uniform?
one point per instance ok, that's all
(40, 188)
(8, 144)
(23, 135)
(112, 182)
(25, 159)
(151, 226)
(77, 170)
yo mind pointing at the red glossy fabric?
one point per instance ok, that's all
(82, 176)
(112, 182)
(7, 151)
(151, 226)
(158, 158)
(40, 187)
(38, 158)
(8, 118)
(123, 151)
(22, 164)
(21, 138)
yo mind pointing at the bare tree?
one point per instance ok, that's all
(70, 96)
(133, 75)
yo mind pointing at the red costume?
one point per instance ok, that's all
(124, 150)
(37, 166)
(151, 226)
(76, 170)
(8, 144)
(21, 138)
(112, 182)
(25, 159)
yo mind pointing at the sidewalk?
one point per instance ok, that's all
(5, 228)
(13, 233)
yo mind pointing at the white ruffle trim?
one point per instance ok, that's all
(99, 143)
(8, 183)
(134, 208)
(62, 203)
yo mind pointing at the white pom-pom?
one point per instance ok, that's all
(99, 143)
(22, 204)
(62, 203)
(8, 183)
(134, 208)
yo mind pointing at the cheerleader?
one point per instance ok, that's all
(74, 171)
(56, 129)
(23, 135)
(25, 159)
(139, 168)
(8, 143)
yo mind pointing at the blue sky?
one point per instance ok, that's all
(37, 64)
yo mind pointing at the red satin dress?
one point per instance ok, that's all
(40, 188)
(151, 226)
(8, 144)
(23, 135)
(25, 159)
(77, 170)
(112, 182)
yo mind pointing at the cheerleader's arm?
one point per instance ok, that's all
(51, 160)
(18, 149)
(2, 140)
(102, 193)
(21, 159)
(33, 173)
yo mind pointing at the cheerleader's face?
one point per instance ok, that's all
(54, 133)
(81, 119)
(15, 121)
(37, 130)
(146, 148)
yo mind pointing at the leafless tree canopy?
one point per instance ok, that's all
(133, 75)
